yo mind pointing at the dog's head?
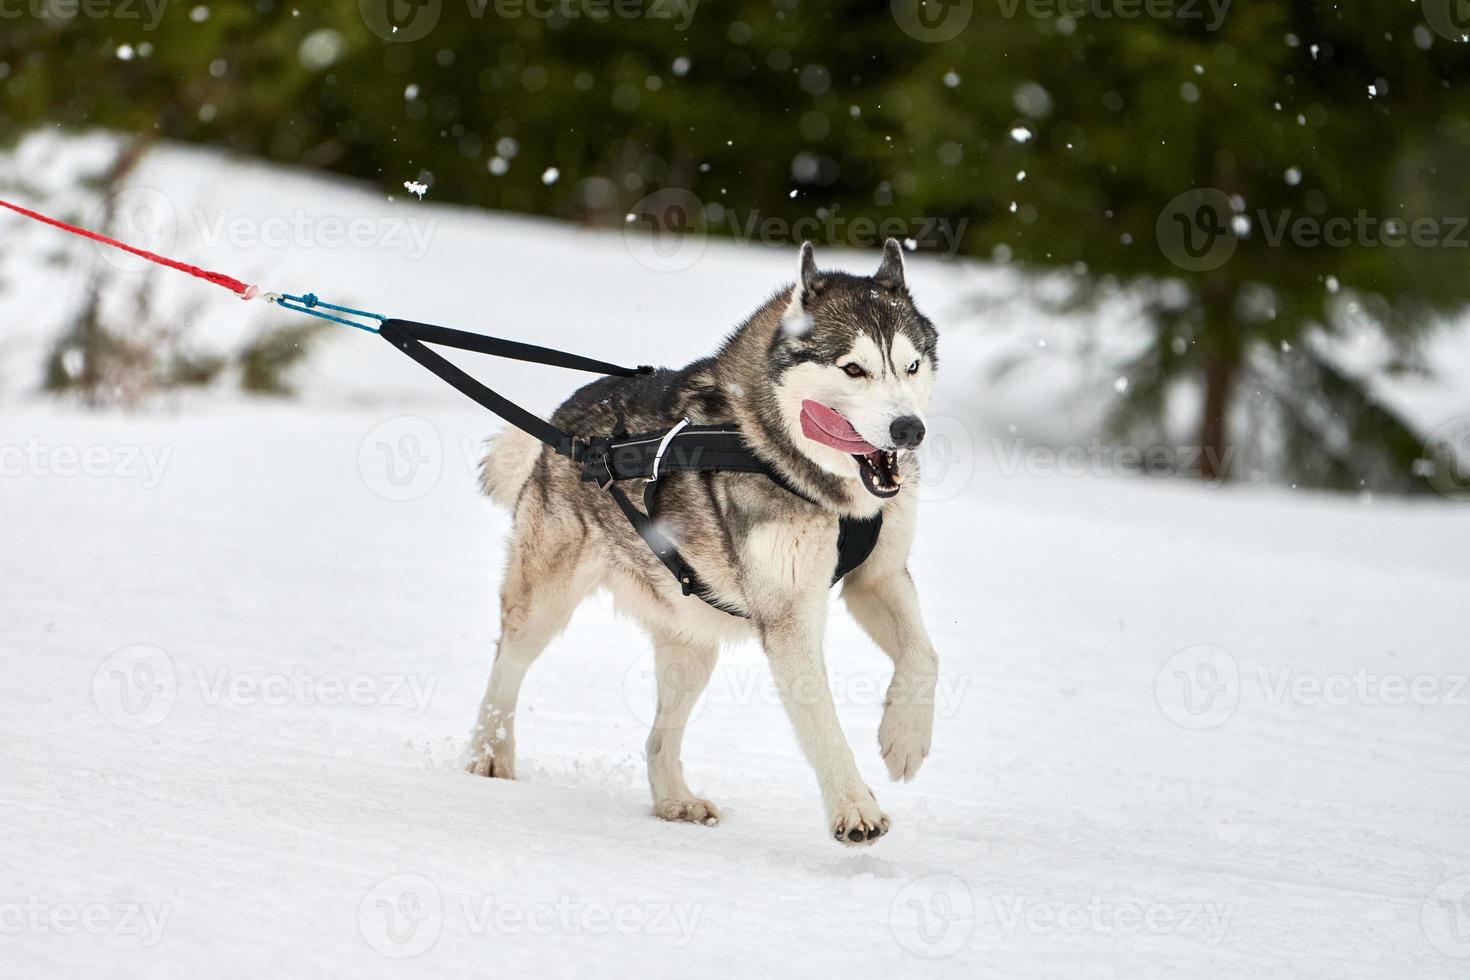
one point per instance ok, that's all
(855, 364)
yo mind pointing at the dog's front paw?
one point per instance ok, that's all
(690, 810)
(857, 820)
(904, 737)
(495, 765)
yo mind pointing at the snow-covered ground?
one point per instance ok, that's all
(1182, 731)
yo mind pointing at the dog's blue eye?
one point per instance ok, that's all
(854, 371)
(914, 368)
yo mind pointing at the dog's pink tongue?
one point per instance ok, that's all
(821, 424)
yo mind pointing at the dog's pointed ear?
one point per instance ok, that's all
(890, 273)
(809, 279)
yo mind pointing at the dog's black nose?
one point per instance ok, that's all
(907, 431)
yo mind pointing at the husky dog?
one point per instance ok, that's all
(827, 383)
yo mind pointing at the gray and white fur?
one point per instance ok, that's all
(855, 344)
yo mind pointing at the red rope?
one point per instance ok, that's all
(234, 285)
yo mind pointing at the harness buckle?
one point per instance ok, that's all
(603, 482)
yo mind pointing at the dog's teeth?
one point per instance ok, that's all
(897, 478)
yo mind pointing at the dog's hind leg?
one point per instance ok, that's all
(548, 576)
(682, 671)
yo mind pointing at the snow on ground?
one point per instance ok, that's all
(1182, 732)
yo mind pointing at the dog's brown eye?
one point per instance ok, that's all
(914, 368)
(853, 371)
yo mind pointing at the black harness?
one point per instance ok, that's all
(607, 460)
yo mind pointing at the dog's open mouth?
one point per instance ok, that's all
(880, 472)
(878, 468)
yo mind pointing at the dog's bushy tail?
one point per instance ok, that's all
(509, 458)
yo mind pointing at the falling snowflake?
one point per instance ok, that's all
(414, 187)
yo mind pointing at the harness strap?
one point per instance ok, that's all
(410, 336)
(663, 444)
(692, 449)
(606, 460)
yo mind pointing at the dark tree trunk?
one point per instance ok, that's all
(91, 337)
(1214, 435)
